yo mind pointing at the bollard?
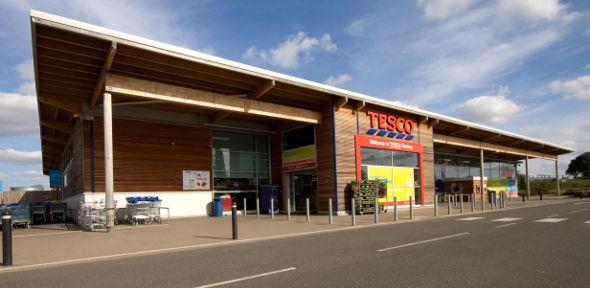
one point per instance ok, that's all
(449, 204)
(307, 209)
(473, 202)
(272, 208)
(541, 195)
(435, 204)
(245, 210)
(461, 201)
(394, 209)
(411, 208)
(288, 209)
(257, 207)
(330, 220)
(234, 221)
(376, 210)
(522, 197)
(353, 212)
(7, 239)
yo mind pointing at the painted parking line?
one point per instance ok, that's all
(577, 211)
(551, 220)
(424, 241)
(470, 218)
(506, 225)
(507, 219)
(247, 278)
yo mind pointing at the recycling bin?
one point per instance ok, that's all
(218, 207)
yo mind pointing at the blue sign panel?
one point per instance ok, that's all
(56, 178)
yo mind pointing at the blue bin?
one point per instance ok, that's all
(218, 207)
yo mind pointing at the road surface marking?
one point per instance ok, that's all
(551, 220)
(554, 215)
(577, 211)
(506, 219)
(424, 241)
(246, 278)
(578, 203)
(506, 225)
(470, 218)
(587, 222)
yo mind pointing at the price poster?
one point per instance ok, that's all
(196, 180)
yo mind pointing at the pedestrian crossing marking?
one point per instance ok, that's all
(470, 218)
(506, 219)
(551, 220)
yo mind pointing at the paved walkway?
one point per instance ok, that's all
(55, 244)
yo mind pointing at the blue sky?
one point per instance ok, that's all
(522, 66)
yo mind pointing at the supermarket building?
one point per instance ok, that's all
(186, 127)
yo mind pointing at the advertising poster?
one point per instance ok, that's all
(400, 181)
(196, 180)
(301, 158)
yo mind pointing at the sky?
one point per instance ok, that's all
(517, 65)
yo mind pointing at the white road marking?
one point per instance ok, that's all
(577, 211)
(424, 241)
(505, 225)
(554, 215)
(551, 220)
(506, 219)
(578, 203)
(470, 218)
(587, 222)
(246, 278)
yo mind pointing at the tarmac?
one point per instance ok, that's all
(56, 244)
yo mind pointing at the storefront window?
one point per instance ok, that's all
(379, 157)
(240, 161)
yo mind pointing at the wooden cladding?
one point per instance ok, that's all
(74, 182)
(147, 156)
(347, 125)
(325, 161)
(171, 93)
(472, 144)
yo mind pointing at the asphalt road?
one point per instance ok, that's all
(445, 252)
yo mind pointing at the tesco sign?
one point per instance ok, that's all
(390, 126)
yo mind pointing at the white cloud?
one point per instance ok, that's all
(25, 70)
(358, 27)
(490, 109)
(479, 46)
(441, 9)
(578, 88)
(19, 114)
(534, 9)
(20, 157)
(338, 80)
(289, 53)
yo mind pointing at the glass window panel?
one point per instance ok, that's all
(242, 161)
(299, 137)
(380, 157)
(405, 159)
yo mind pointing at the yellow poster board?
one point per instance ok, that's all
(400, 181)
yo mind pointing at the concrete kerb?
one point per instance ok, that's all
(248, 240)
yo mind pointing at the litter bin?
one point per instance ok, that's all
(218, 207)
(492, 197)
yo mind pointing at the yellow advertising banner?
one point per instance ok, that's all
(299, 158)
(400, 181)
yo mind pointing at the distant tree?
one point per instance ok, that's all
(580, 165)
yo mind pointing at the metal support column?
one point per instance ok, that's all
(108, 160)
(528, 184)
(481, 179)
(557, 175)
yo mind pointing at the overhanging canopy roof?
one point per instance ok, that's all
(71, 59)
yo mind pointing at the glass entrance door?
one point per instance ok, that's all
(303, 185)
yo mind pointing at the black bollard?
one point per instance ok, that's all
(523, 197)
(6, 239)
(541, 195)
(234, 221)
